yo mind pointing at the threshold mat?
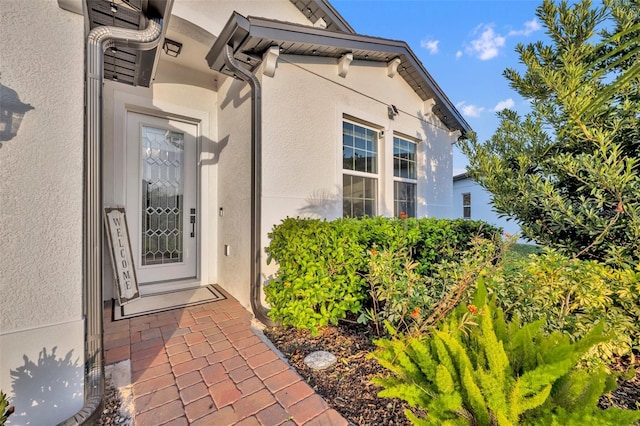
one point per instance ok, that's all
(161, 302)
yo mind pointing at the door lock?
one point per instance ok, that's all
(193, 223)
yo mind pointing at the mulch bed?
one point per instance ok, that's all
(347, 385)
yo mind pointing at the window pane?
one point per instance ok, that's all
(360, 144)
(347, 128)
(359, 196)
(347, 158)
(346, 208)
(466, 205)
(405, 153)
(404, 199)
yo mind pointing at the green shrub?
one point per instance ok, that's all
(319, 278)
(409, 301)
(323, 265)
(478, 369)
(397, 293)
(573, 295)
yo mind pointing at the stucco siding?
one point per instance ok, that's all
(234, 189)
(305, 104)
(213, 15)
(481, 207)
(41, 212)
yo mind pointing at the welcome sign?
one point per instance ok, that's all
(121, 257)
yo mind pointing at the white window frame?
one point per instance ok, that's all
(413, 181)
(376, 177)
(466, 207)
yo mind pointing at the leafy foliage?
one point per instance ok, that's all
(573, 295)
(568, 172)
(324, 266)
(478, 369)
(5, 409)
(319, 278)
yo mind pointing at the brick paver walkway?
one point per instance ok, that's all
(203, 365)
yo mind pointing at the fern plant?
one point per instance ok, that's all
(5, 409)
(476, 368)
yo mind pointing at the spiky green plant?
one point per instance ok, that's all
(5, 409)
(478, 369)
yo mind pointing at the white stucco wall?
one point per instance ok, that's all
(41, 327)
(481, 207)
(302, 139)
(213, 15)
(234, 189)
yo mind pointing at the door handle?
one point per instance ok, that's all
(193, 223)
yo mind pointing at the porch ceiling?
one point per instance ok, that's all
(129, 66)
(251, 37)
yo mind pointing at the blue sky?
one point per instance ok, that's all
(465, 46)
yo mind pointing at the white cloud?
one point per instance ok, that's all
(459, 54)
(470, 110)
(488, 44)
(529, 28)
(506, 104)
(430, 45)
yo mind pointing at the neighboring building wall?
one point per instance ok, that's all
(41, 323)
(481, 207)
(302, 139)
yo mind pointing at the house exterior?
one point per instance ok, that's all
(208, 122)
(471, 201)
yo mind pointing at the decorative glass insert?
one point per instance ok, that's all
(404, 194)
(359, 196)
(162, 196)
(359, 148)
(404, 159)
(466, 205)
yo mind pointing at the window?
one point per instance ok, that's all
(466, 205)
(405, 177)
(360, 170)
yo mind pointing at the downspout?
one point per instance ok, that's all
(256, 181)
(98, 40)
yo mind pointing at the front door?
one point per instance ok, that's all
(161, 197)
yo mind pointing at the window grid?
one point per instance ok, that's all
(405, 178)
(360, 165)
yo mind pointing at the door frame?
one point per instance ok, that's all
(187, 267)
(116, 180)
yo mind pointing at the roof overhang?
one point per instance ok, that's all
(129, 66)
(316, 10)
(251, 37)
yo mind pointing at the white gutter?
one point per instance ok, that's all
(98, 40)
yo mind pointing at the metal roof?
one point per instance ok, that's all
(250, 37)
(128, 66)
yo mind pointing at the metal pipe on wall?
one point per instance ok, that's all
(98, 40)
(256, 181)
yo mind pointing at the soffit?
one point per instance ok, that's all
(315, 10)
(128, 66)
(251, 37)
